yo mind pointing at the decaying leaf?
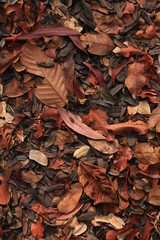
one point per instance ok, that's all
(99, 44)
(124, 154)
(70, 199)
(79, 229)
(154, 120)
(96, 183)
(74, 123)
(103, 219)
(147, 154)
(38, 157)
(154, 196)
(51, 91)
(104, 147)
(115, 221)
(4, 192)
(144, 108)
(136, 79)
(81, 152)
(30, 176)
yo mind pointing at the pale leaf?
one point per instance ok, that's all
(81, 152)
(38, 157)
(104, 146)
(79, 229)
(115, 221)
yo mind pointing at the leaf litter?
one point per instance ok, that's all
(79, 120)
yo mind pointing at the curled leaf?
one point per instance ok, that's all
(104, 147)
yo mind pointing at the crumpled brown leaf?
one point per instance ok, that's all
(99, 44)
(147, 154)
(96, 183)
(154, 196)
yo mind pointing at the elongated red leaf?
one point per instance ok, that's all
(97, 74)
(74, 123)
(78, 43)
(49, 31)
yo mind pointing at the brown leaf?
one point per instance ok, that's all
(104, 147)
(96, 183)
(124, 154)
(154, 196)
(136, 79)
(99, 44)
(70, 199)
(154, 120)
(72, 121)
(30, 176)
(147, 154)
(130, 50)
(16, 89)
(4, 192)
(37, 228)
(63, 137)
(51, 91)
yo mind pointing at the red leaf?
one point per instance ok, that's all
(4, 193)
(77, 89)
(78, 43)
(146, 230)
(56, 164)
(97, 74)
(49, 31)
(129, 8)
(77, 125)
(37, 228)
(126, 52)
(40, 131)
(116, 70)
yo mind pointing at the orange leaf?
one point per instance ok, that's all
(52, 90)
(72, 197)
(96, 183)
(4, 193)
(37, 228)
(124, 154)
(136, 79)
(154, 196)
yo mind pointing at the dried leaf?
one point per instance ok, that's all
(96, 183)
(79, 229)
(81, 152)
(103, 219)
(72, 213)
(147, 154)
(30, 176)
(7, 64)
(51, 91)
(136, 79)
(154, 120)
(49, 31)
(4, 192)
(99, 44)
(104, 147)
(124, 154)
(154, 196)
(16, 89)
(115, 221)
(144, 108)
(37, 228)
(72, 121)
(38, 157)
(129, 126)
(62, 138)
(56, 164)
(70, 199)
